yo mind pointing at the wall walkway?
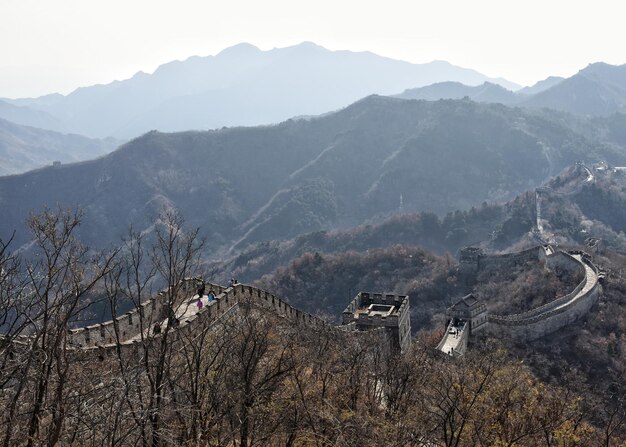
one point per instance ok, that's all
(137, 325)
(454, 342)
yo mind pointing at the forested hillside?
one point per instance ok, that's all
(244, 185)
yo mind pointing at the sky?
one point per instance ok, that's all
(56, 46)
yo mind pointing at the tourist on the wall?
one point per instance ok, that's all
(201, 290)
(211, 296)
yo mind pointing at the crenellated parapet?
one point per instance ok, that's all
(381, 310)
(131, 324)
(133, 328)
(473, 260)
(510, 260)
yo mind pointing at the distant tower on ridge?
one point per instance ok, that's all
(401, 207)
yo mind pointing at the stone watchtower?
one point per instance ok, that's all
(376, 310)
(469, 259)
(469, 309)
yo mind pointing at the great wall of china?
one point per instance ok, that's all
(131, 328)
(128, 331)
(558, 313)
(534, 323)
(471, 318)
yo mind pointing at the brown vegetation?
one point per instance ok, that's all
(523, 287)
(252, 378)
(328, 282)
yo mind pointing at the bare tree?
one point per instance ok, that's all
(56, 282)
(170, 258)
(257, 364)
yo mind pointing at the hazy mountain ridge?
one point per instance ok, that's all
(487, 92)
(342, 169)
(242, 85)
(599, 89)
(27, 116)
(499, 224)
(540, 86)
(23, 148)
(598, 210)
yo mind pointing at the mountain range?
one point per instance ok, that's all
(357, 165)
(597, 90)
(317, 208)
(242, 85)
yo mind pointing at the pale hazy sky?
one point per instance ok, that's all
(55, 46)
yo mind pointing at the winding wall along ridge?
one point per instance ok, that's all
(132, 330)
(552, 316)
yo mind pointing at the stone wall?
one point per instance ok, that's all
(557, 260)
(138, 320)
(472, 260)
(553, 316)
(510, 260)
(224, 304)
(563, 261)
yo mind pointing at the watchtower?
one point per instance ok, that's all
(471, 310)
(377, 310)
(469, 259)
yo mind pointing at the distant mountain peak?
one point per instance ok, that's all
(309, 44)
(598, 65)
(597, 89)
(604, 70)
(140, 74)
(441, 62)
(488, 91)
(541, 86)
(240, 50)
